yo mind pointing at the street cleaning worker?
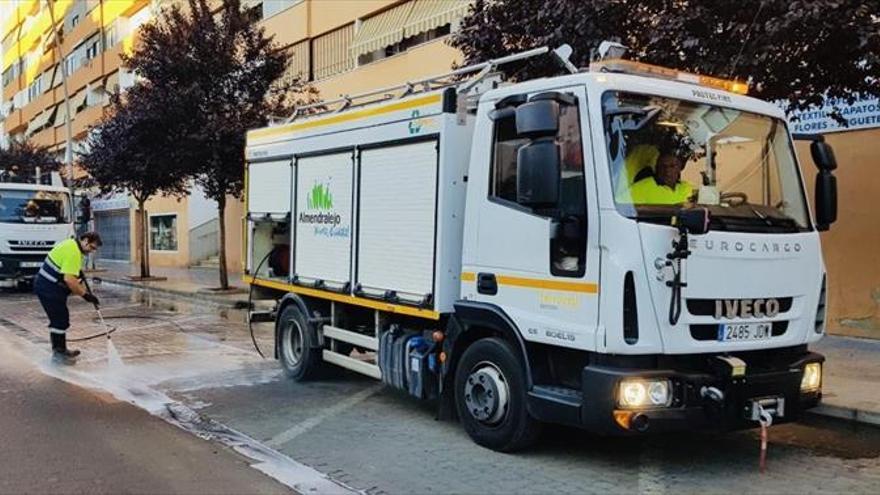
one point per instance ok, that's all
(59, 277)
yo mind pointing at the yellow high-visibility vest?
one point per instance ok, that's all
(648, 192)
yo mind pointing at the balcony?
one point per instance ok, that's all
(90, 70)
(46, 137)
(14, 123)
(86, 118)
(33, 108)
(10, 90)
(86, 27)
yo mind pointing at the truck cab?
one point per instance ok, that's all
(34, 215)
(575, 187)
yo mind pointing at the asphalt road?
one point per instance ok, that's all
(60, 438)
(193, 366)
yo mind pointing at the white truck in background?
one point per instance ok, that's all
(479, 243)
(34, 215)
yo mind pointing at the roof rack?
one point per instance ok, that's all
(409, 88)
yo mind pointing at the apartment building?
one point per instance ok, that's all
(347, 47)
(340, 46)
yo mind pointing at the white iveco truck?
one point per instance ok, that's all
(495, 247)
(34, 215)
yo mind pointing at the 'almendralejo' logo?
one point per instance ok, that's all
(320, 197)
(321, 214)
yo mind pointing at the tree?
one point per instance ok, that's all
(802, 51)
(22, 160)
(130, 152)
(222, 66)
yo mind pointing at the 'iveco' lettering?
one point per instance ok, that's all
(746, 308)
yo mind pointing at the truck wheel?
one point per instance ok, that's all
(490, 394)
(299, 358)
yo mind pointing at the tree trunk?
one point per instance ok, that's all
(141, 239)
(146, 223)
(221, 210)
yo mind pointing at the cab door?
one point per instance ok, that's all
(538, 261)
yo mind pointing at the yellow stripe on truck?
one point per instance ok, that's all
(258, 134)
(345, 298)
(538, 283)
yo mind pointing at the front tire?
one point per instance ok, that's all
(299, 357)
(490, 396)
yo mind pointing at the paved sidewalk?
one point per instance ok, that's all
(189, 283)
(852, 368)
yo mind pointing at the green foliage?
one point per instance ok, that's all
(222, 66)
(803, 51)
(22, 159)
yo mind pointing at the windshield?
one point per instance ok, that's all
(34, 207)
(666, 153)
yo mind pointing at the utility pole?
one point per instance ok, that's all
(68, 129)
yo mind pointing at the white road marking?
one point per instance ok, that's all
(338, 408)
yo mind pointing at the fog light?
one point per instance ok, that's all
(635, 393)
(812, 379)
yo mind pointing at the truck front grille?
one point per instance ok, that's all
(706, 307)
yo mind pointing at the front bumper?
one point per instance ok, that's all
(13, 268)
(689, 409)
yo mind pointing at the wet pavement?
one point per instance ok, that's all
(194, 366)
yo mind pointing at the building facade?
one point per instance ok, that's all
(347, 47)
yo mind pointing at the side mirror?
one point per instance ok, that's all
(693, 220)
(823, 155)
(826, 199)
(538, 174)
(537, 119)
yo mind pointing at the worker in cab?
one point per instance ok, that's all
(60, 276)
(665, 186)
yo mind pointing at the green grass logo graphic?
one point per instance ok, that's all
(320, 198)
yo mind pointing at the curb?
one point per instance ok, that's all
(847, 413)
(180, 294)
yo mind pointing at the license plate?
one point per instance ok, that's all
(734, 332)
(31, 264)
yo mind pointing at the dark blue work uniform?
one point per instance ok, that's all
(49, 286)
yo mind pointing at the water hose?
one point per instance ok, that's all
(250, 306)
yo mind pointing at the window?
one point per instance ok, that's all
(272, 7)
(74, 21)
(111, 35)
(568, 249)
(506, 144)
(35, 89)
(163, 232)
(92, 48)
(8, 76)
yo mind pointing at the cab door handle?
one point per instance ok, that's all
(486, 284)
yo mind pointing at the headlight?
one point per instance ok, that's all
(636, 393)
(812, 379)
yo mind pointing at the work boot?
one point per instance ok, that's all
(60, 352)
(64, 356)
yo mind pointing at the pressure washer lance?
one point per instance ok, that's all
(108, 328)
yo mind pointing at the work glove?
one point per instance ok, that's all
(88, 296)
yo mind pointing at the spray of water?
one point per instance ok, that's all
(114, 360)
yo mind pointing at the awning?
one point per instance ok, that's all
(56, 77)
(77, 101)
(429, 14)
(95, 93)
(299, 62)
(40, 121)
(381, 30)
(61, 114)
(112, 83)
